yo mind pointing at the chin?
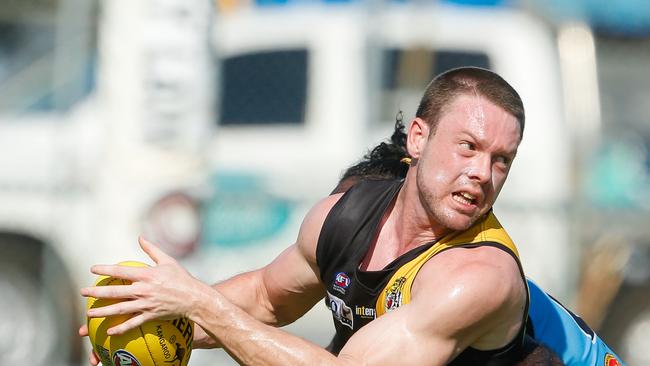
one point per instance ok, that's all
(460, 225)
(457, 222)
(460, 221)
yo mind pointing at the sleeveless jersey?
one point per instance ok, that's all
(356, 297)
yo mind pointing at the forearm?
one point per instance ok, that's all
(251, 342)
(271, 298)
(242, 291)
(277, 294)
(246, 291)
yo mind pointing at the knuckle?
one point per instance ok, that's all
(145, 275)
(143, 290)
(139, 289)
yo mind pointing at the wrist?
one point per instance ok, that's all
(201, 303)
(200, 312)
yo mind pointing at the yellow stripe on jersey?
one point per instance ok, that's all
(398, 290)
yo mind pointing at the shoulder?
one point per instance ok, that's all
(359, 198)
(476, 267)
(482, 286)
(312, 225)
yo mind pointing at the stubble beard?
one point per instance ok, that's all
(440, 216)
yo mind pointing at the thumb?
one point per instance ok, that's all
(154, 252)
(83, 330)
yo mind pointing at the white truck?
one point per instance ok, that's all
(295, 95)
(106, 109)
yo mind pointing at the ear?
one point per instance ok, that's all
(418, 134)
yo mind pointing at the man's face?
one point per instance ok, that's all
(463, 165)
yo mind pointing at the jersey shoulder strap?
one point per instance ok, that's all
(487, 231)
(351, 224)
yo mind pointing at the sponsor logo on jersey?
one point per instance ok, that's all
(124, 358)
(610, 360)
(394, 294)
(365, 312)
(340, 311)
(341, 282)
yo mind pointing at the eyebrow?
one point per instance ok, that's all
(470, 135)
(473, 137)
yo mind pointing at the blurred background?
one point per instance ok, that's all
(212, 127)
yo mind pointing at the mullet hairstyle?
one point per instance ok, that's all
(384, 161)
(444, 88)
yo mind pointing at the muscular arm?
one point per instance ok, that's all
(475, 304)
(277, 294)
(458, 300)
(285, 289)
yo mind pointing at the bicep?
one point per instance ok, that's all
(276, 294)
(292, 281)
(290, 285)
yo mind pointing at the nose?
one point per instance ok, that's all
(481, 169)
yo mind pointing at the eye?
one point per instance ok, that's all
(503, 160)
(467, 145)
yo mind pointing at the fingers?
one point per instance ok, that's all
(120, 308)
(93, 359)
(154, 252)
(109, 292)
(124, 272)
(134, 322)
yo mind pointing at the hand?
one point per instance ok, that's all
(92, 358)
(164, 291)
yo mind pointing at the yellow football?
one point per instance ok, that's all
(154, 343)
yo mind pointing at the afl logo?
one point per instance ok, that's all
(342, 280)
(124, 358)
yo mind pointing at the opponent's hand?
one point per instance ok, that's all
(93, 359)
(164, 291)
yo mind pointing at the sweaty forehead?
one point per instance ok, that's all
(477, 115)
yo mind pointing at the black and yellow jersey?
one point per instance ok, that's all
(356, 297)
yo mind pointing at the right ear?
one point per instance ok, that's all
(417, 137)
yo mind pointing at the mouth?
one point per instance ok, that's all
(465, 198)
